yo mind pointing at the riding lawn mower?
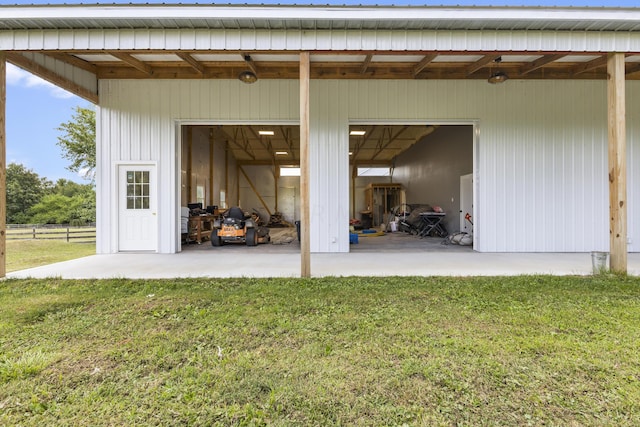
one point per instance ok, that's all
(238, 227)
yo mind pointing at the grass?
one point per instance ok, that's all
(22, 254)
(335, 351)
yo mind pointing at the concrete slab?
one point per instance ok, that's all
(242, 263)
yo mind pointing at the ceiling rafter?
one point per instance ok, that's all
(540, 62)
(423, 64)
(234, 140)
(589, 66)
(482, 62)
(366, 63)
(195, 64)
(250, 62)
(73, 60)
(361, 141)
(135, 63)
(391, 139)
(287, 139)
(44, 73)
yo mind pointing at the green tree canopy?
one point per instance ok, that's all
(25, 188)
(68, 203)
(78, 142)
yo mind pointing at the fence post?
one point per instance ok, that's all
(34, 233)
(67, 234)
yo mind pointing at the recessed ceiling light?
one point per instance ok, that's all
(266, 132)
(281, 153)
(351, 153)
(357, 132)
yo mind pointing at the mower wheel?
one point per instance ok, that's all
(251, 237)
(215, 239)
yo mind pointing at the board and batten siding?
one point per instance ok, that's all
(540, 165)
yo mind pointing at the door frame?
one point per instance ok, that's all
(475, 123)
(153, 187)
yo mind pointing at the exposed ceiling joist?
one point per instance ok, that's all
(423, 64)
(74, 60)
(186, 57)
(589, 66)
(366, 63)
(391, 139)
(44, 73)
(481, 63)
(539, 63)
(135, 63)
(252, 66)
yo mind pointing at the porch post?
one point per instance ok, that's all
(617, 162)
(305, 246)
(3, 166)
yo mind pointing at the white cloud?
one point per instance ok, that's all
(18, 77)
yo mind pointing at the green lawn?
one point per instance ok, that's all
(23, 254)
(336, 351)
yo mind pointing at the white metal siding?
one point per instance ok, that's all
(322, 40)
(139, 121)
(540, 166)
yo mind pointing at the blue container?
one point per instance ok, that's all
(353, 238)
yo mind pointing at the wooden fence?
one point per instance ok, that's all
(75, 234)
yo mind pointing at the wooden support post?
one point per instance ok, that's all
(189, 160)
(617, 162)
(305, 246)
(276, 179)
(226, 174)
(3, 166)
(211, 160)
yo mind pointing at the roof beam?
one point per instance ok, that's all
(391, 139)
(540, 62)
(252, 65)
(48, 75)
(73, 60)
(366, 63)
(135, 63)
(588, 66)
(423, 64)
(481, 63)
(186, 57)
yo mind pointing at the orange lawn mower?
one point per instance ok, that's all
(238, 227)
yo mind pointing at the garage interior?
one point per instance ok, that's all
(398, 171)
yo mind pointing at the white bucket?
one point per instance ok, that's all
(393, 226)
(599, 262)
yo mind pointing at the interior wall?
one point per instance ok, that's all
(200, 171)
(430, 170)
(263, 180)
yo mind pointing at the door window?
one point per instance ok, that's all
(138, 190)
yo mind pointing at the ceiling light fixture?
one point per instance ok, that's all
(248, 77)
(266, 132)
(498, 76)
(281, 153)
(357, 132)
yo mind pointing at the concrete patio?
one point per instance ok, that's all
(238, 263)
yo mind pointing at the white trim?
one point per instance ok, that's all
(281, 13)
(179, 123)
(477, 223)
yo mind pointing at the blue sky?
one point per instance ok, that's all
(35, 108)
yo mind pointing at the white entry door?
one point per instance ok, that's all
(137, 205)
(466, 203)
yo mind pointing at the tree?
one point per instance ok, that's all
(78, 142)
(69, 203)
(25, 188)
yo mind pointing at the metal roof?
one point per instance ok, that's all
(286, 17)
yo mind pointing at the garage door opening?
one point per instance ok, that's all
(253, 167)
(412, 182)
